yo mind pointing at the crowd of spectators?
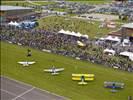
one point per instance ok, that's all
(67, 45)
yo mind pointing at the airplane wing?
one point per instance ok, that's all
(76, 78)
(22, 63)
(85, 75)
(110, 84)
(89, 79)
(79, 78)
(56, 70)
(59, 69)
(25, 62)
(48, 70)
(31, 62)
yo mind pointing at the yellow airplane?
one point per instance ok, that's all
(83, 78)
(86, 75)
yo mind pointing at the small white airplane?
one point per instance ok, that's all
(26, 63)
(53, 70)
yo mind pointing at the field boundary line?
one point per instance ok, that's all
(34, 87)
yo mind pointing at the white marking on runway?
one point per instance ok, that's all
(35, 87)
(9, 92)
(23, 93)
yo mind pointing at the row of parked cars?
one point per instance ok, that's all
(125, 9)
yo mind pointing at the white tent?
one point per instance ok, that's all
(75, 34)
(117, 39)
(127, 54)
(129, 25)
(72, 33)
(16, 24)
(86, 36)
(79, 33)
(109, 51)
(68, 33)
(131, 58)
(102, 39)
(61, 31)
(11, 23)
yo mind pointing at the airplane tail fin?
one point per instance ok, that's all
(55, 73)
(25, 65)
(82, 83)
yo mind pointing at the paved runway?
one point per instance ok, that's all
(15, 90)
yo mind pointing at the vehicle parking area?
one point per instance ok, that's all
(98, 17)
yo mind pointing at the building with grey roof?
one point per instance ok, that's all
(9, 8)
(11, 13)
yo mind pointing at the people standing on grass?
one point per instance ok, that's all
(28, 53)
(66, 45)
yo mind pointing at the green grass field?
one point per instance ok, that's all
(41, 2)
(25, 3)
(62, 84)
(56, 23)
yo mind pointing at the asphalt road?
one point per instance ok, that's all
(15, 90)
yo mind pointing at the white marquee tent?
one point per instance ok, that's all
(127, 54)
(16, 24)
(13, 23)
(117, 39)
(109, 51)
(78, 34)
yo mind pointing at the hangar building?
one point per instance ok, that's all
(17, 13)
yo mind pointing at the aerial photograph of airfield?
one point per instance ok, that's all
(66, 50)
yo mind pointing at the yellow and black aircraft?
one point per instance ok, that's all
(83, 78)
